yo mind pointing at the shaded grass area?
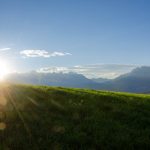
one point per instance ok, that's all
(43, 118)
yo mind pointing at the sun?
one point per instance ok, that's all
(4, 69)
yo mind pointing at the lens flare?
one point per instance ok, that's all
(4, 69)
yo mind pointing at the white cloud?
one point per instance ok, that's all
(34, 53)
(53, 69)
(58, 54)
(41, 53)
(104, 70)
(5, 49)
(109, 71)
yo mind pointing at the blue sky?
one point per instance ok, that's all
(36, 34)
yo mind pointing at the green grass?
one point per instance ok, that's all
(49, 118)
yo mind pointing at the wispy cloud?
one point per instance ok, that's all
(42, 53)
(94, 71)
(104, 70)
(34, 53)
(54, 70)
(5, 49)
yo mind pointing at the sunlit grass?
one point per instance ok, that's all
(42, 117)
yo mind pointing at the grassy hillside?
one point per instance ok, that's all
(44, 118)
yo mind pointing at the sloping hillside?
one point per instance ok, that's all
(44, 118)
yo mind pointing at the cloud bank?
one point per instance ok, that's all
(41, 53)
(109, 71)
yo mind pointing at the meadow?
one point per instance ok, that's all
(44, 118)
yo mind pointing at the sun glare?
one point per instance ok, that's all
(4, 70)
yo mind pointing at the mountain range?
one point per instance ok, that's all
(136, 81)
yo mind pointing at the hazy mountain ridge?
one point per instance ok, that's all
(52, 79)
(137, 81)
